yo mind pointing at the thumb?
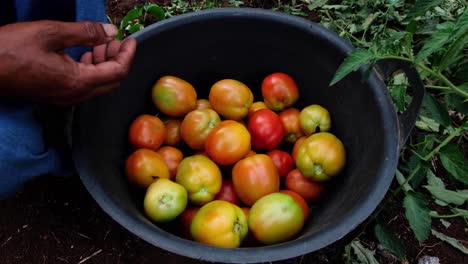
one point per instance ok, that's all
(61, 35)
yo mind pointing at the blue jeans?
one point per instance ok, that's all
(24, 152)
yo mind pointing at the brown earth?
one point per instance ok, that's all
(55, 220)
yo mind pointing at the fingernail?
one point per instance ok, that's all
(111, 30)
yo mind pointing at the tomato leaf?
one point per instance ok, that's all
(454, 162)
(131, 15)
(433, 180)
(356, 59)
(417, 213)
(427, 124)
(155, 11)
(436, 42)
(453, 53)
(459, 103)
(420, 8)
(452, 241)
(390, 241)
(448, 196)
(364, 255)
(437, 111)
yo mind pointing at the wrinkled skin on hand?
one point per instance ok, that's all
(34, 67)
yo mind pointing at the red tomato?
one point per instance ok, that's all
(228, 193)
(185, 220)
(296, 147)
(305, 187)
(173, 137)
(282, 160)
(265, 129)
(291, 124)
(279, 91)
(147, 131)
(172, 157)
(299, 200)
(254, 177)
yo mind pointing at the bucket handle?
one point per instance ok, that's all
(408, 118)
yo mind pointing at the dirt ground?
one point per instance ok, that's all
(55, 220)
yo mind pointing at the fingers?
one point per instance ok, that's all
(60, 35)
(87, 58)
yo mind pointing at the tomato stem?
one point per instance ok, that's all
(318, 169)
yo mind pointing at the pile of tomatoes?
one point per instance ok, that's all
(228, 170)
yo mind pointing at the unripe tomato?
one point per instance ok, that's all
(147, 131)
(228, 142)
(279, 91)
(231, 99)
(265, 129)
(144, 166)
(196, 126)
(219, 223)
(174, 96)
(172, 157)
(164, 200)
(314, 116)
(201, 177)
(291, 124)
(321, 156)
(300, 201)
(282, 160)
(305, 187)
(254, 177)
(173, 137)
(275, 218)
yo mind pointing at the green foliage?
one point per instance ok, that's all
(137, 18)
(390, 241)
(417, 213)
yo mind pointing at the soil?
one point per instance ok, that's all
(55, 220)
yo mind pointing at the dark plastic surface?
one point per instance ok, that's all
(245, 44)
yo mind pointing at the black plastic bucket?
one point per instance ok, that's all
(247, 44)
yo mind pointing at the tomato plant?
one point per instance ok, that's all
(282, 160)
(144, 166)
(305, 187)
(147, 131)
(219, 223)
(321, 156)
(231, 99)
(164, 200)
(254, 177)
(313, 117)
(292, 127)
(174, 96)
(265, 129)
(279, 91)
(196, 126)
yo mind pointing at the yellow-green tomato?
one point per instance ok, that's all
(314, 116)
(321, 156)
(219, 223)
(201, 177)
(275, 218)
(164, 200)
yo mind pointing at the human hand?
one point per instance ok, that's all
(33, 65)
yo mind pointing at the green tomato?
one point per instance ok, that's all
(314, 116)
(164, 200)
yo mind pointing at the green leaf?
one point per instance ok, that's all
(402, 181)
(316, 4)
(452, 241)
(454, 162)
(456, 101)
(454, 51)
(436, 41)
(390, 241)
(356, 59)
(131, 15)
(420, 8)
(155, 11)
(448, 196)
(460, 211)
(433, 180)
(461, 26)
(417, 213)
(427, 124)
(135, 27)
(445, 223)
(438, 112)
(364, 255)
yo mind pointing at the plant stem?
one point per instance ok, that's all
(344, 30)
(407, 180)
(447, 216)
(452, 135)
(438, 87)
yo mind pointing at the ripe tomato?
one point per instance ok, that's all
(144, 166)
(314, 116)
(279, 91)
(291, 124)
(173, 137)
(299, 200)
(321, 156)
(185, 220)
(275, 218)
(197, 125)
(231, 99)
(201, 177)
(305, 187)
(228, 193)
(219, 223)
(173, 96)
(172, 157)
(265, 129)
(147, 131)
(296, 147)
(203, 104)
(228, 142)
(256, 106)
(164, 200)
(254, 177)
(282, 160)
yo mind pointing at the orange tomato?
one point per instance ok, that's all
(172, 157)
(197, 125)
(173, 137)
(231, 99)
(174, 96)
